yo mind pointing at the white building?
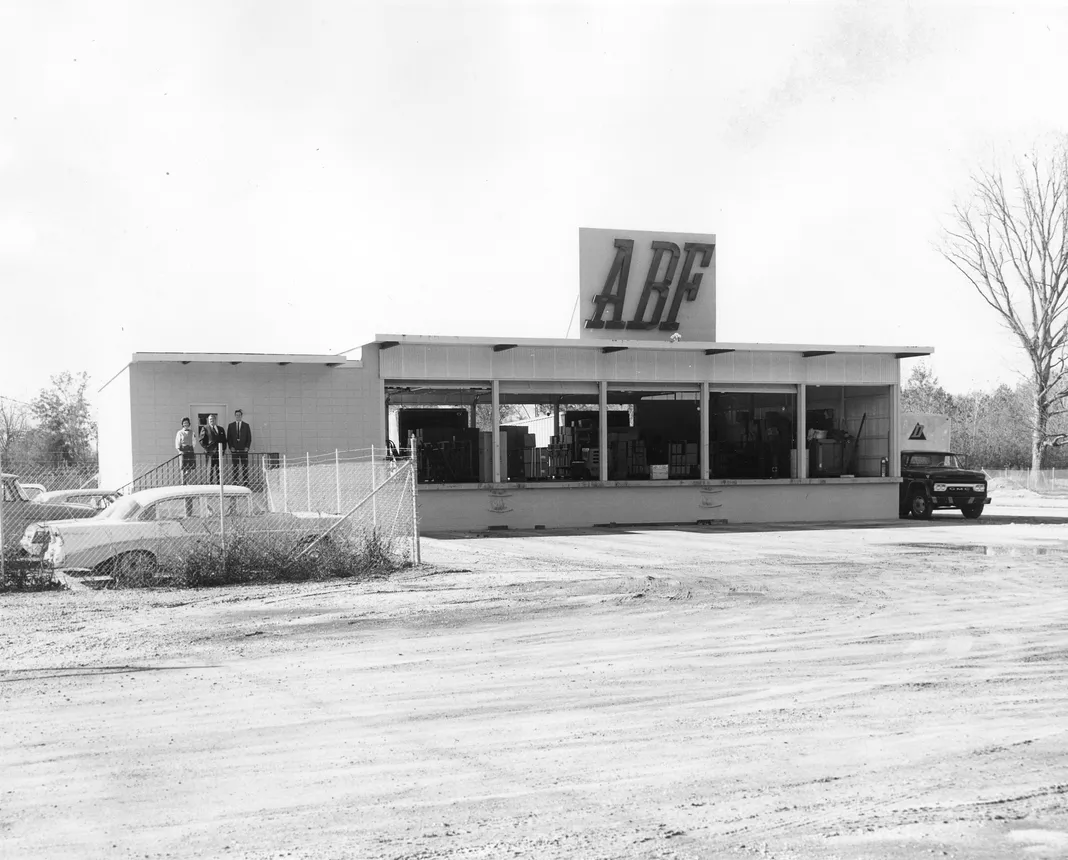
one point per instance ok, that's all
(646, 428)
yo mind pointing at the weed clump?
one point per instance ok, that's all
(244, 561)
(26, 574)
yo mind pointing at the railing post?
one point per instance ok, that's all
(285, 486)
(307, 476)
(337, 478)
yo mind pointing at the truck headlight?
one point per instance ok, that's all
(939, 488)
(980, 488)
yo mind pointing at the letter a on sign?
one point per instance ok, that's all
(917, 433)
(620, 272)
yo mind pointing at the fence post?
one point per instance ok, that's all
(415, 511)
(285, 486)
(1, 521)
(337, 478)
(307, 476)
(222, 518)
(374, 498)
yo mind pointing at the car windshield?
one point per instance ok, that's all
(934, 460)
(122, 509)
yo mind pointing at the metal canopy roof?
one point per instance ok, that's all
(386, 341)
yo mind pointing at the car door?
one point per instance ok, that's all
(182, 522)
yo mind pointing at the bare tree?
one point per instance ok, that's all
(14, 423)
(1011, 242)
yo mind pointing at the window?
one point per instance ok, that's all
(848, 429)
(752, 434)
(183, 507)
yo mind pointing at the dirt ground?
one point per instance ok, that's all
(890, 691)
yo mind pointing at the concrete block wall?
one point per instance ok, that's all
(293, 409)
(520, 506)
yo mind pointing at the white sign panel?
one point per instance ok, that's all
(636, 285)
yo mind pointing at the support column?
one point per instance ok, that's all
(802, 432)
(894, 453)
(602, 431)
(385, 409)
(495, 397)
(705, 414)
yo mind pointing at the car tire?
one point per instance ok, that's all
(920, 505)
(132, 568)
(318, 547)
(973, 511)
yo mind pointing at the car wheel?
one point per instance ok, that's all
(133, 568)
(320, 548)
(920, 505)
(973, 511)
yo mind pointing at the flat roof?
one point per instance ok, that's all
(385, 341)
(242, 357)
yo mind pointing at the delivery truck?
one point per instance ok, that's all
(931, 474)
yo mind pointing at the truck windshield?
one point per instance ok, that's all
(932, 460)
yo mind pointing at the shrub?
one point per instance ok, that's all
(246, 560)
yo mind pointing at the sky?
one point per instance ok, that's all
(259, 176)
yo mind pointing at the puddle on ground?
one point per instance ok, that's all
(991, 549)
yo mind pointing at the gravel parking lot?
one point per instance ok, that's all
(883, 691)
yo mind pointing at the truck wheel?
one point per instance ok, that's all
(973, 511)
(920, 505)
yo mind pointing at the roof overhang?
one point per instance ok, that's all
(809, 350)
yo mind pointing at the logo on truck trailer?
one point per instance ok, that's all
(917, 433)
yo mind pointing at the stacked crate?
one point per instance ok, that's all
(637, 463)
(683, 459)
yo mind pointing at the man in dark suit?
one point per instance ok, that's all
(239, 440)
(212, 440)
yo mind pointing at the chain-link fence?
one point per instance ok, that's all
(1048, 481)
(340, 514)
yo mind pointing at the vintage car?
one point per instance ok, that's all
(19, 510)
(157, 527)
(95, 499)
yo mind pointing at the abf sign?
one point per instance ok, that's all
(674, 288)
